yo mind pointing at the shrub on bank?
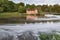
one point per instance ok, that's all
(49, 36)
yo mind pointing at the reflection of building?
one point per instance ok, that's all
(31, 13)
(30, 17)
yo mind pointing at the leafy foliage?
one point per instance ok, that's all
(21, 9)
(9, 6)
(49, 36)
(1, 9)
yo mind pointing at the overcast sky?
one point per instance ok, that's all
(50, 2)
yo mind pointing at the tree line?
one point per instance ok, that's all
(10, 6)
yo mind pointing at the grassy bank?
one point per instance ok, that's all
(14, 17)
(11, 15)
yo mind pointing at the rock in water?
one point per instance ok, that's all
(28, 35)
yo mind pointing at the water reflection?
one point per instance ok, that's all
(38, 19)
(31, 17)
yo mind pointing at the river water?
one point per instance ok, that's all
(18, 29)
(42, 26)
(32, 26)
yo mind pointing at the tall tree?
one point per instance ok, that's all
(11, 6)
(21, 9)
(21, 4)
(39, 8)
(44, 8)
(3, 1)
(1, 9)
(28, 5)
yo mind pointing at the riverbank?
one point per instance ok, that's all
(16, 17)
(12, 15)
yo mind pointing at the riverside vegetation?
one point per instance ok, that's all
(50, 36)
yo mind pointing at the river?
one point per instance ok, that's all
(32, 26)
(25, 30)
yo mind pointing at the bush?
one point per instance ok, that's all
(48, 36)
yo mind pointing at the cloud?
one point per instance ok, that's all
(38, 1)
(52, 1)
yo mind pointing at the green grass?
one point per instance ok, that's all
(11, 15)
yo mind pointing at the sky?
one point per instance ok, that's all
(37, 2)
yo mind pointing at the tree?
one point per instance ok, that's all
(1, 9)
(28, 6)
(21, 4)
(3, 4)
(3, 1)
(44, 8)
(11, 6)
(50, 8)
(56, 8)
(21, 9)
(33, 6)
(39, 8)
